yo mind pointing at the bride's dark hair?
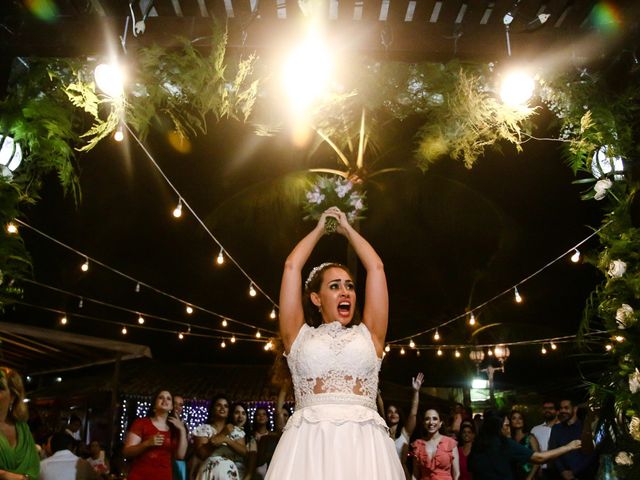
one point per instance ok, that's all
(312, 315)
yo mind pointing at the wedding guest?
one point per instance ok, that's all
(542, 432)
(64, 464)
(435, 455)
(153, 441)
(520, 433)
(97, 459)
(19, 458)
(493, 452)
(466, 436)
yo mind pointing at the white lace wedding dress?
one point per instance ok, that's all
(335, 432)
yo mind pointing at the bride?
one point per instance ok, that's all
(334, 358)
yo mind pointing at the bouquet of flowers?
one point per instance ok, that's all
(334, 191)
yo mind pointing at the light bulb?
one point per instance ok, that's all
(233, 339)
(137, 287)
(472, 319)
(412, 344)
(575, 258)
(517, 295)
(265, 347)
(457, 354)
(177, 212)
(223, 344)
(85, 266)
(63, 320)
(439, 352)
(402, 351)
(220, 259)
(181, 336)
(490, 352)
(252, 291)
(12, 228)
(118, 136)
(543, 350)
(272, 315)
(124, 330)
(189, 309)
(517, 88)
(417, 353)
(140, 320)
(553, 346)
(436, 336)
(608, 347)
(387, 348)
(224, 322)
(110, 79)
(258, 334)
(80, 303)
(619, 338)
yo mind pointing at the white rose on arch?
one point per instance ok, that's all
(624, 458)
(624, 316)
(617, 268)
(601, 188)
(634, 381)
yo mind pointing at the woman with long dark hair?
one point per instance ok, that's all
(493, 453)
(435, 455)
(334, 357)
(521, 434)
(153, 441)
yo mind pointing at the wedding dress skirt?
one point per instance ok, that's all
(335, 442)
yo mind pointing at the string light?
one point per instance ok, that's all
(124, 330)
(553, 346)
(140, 320)
(412, 344)
(233, 339)
(63, 320)
(490, 352)
(439, 352)
(80, 303)
(387, 349)
(118, 136)
(272, 315)
(223, 344)
(224, 322)
(220, 258)
(252, 291)
(189, 309)
(180, 336)
(543, 350)
(417, 353)
(436, 336)
(472, 319)
(457, 354)
(258, 334)
(619, 338)
(137, 287)
(177, 212)
(85, 266)
(402, 351)
(517, 295)
(12, 228)
(608, 347)
(575, 258)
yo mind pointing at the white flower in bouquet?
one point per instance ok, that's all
(634, 428)
(601, 188)
(334, 191)
(624, 458)
(617, 268)
(634, 381)
(625, 316)
(343, 189)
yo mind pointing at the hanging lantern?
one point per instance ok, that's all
(10, 156)
(501, 352)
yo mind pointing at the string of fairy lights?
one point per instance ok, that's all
(187, 328)
(471, 313)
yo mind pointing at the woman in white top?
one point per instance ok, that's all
(334, 358)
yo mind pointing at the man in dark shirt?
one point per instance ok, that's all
(576, 464)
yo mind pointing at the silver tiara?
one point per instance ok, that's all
(314, 271)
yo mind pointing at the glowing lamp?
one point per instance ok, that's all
(479, 383)
(516, 89)
(110, 79)
(10, 155)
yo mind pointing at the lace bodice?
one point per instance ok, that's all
(332, 364)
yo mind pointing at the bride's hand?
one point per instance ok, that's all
(329, 212)
(343, 223)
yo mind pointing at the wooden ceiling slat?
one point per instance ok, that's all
(397, 10)
(266, 9)
(371, 10)
(164, 8)
(217, 9)
(345, 10)
(190, 8)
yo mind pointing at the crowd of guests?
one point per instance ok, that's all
(492, 446)
(431, 445)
